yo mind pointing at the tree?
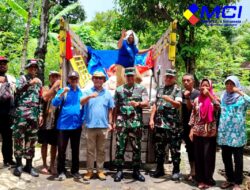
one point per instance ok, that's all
(107, 26)
(41, 49)
(74, 14)
(26, 35)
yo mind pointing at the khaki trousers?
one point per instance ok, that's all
(120, 75)
(96, 141)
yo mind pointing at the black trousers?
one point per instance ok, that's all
(189, 143)
(204, 155)
(233, 175)
(7, 142)
(63, 139)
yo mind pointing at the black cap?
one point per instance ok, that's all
(73, 74)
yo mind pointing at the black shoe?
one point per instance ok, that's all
(138, 176)
(62, 176)
(159, 172)
(29, 169)
(32, 171)
(118, 176)
(18, 171)
(76, 175)
(6, 164)
(9, 163)
(12, 163)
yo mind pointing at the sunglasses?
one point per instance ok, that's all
(130, 75)
(169, 77)
(73, 79)
(98, 78)
(33, 66)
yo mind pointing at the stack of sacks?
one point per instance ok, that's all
(110, 85)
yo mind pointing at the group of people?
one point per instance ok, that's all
(54, 115)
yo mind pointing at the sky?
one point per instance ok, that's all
(245, 9)
(93, 6)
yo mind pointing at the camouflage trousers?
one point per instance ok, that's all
(124, 135)
(173, 138)
(25, 137)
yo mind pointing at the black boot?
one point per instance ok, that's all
(29, 169)
(119, 175)
(19, 167)
(159, 171)
(137, 175)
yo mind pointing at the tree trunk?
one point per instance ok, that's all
(41, 49)
(190, 40)
(191, 59)
(26, 36)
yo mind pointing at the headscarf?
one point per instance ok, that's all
(231, 97)
(206, 108)
(128, 33)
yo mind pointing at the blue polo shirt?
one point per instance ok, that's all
(96, 110)
(126, 54)
(70, 116)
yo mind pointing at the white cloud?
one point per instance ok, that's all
(91, 7)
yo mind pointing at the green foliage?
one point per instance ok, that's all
(52, 59)
(64, 12)
(221, 55)
(20, 11)
(87, 35)
(107, 26)
(11, 46)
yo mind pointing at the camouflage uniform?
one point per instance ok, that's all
(129, 121)
(28, 108)
(167, 126)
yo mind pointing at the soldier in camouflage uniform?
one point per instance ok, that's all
(28, 115)
(165, 119)
(130, 98)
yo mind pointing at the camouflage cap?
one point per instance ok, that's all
(54, 73)
(31, 62)
(3, 59)
(171, 72)
(130, 71)
(99, 74)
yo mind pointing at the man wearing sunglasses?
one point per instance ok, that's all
(98, 104)
(165, 119)
(130, 98)
(69, 124)
(7, 88)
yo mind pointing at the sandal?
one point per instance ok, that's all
(206, 186)
(44, 171)
(236, 187)
(201, 185)
(190, 178)
(52, 171)
(226, 184)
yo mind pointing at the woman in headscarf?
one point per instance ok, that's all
(203, 134)
(126, 57)
(232, 131)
